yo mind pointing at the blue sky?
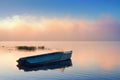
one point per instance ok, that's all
(61, 8)
(76, 19)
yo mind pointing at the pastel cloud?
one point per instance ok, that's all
(42, 28)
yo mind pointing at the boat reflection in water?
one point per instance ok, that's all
(52, 66)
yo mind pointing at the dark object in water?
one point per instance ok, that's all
(52, 66)
(45, 58)
(29, 48)
(41, 47)
(3, 46)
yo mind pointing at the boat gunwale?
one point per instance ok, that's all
(41, 55)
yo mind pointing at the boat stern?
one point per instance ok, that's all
(66, 55)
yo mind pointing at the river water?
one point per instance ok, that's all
(95, 60)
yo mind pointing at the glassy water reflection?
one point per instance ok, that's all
(56, 65)
(90, 61)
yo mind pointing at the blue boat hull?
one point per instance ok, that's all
(45, 58)
(52, 66)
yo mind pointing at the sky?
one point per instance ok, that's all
(69, 20)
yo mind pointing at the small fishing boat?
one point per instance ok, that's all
(45, 59)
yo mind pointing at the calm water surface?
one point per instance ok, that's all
(90, 61)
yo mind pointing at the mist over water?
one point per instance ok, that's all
(90, 60)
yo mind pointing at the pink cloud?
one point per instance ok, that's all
(42, 28)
